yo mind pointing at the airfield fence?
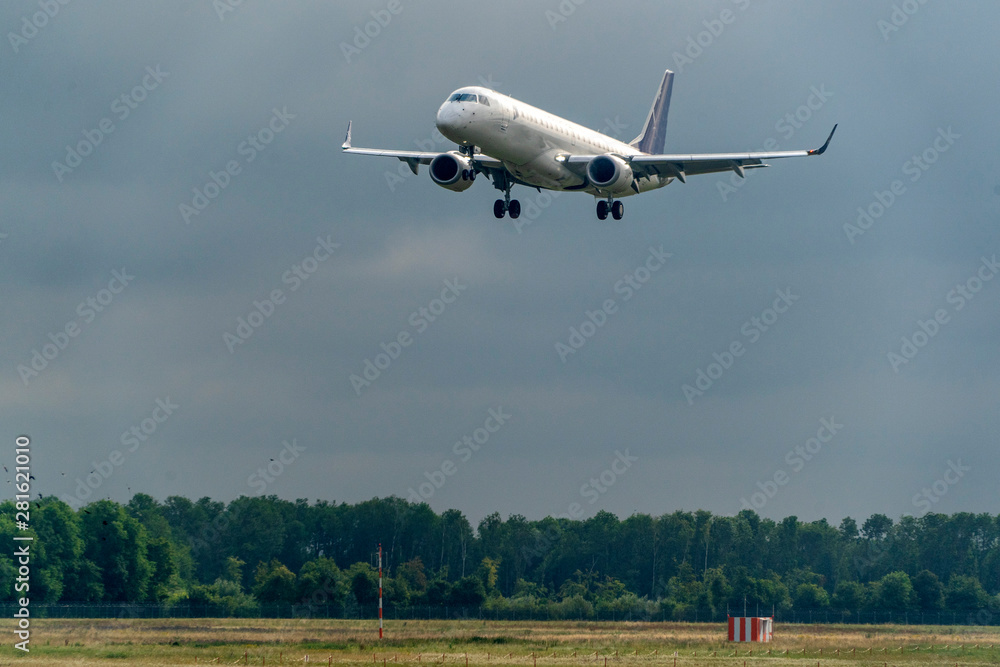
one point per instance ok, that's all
(821, 616)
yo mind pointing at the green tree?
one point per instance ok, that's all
(224, 596)
(718, 587)
(116, 544)
(320, 582)
(487, 573)
(59, 550)
(848, 529)
(529, 589)
(160, 552)
(412, 571)
(468, 592)
(894, 592)
(396, 591)
(233, 571)
(965, 593)
(811, 596)
(849, 595)
(929, 591)
(255, 529)
(364, 583)
(273, 582)
(876, 527)
(438, 592)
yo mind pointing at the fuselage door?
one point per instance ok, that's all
(505, 116)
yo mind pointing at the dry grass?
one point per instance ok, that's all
(488, 644)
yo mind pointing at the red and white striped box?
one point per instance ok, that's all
(750, 628)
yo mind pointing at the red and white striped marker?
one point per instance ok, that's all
(380, 590)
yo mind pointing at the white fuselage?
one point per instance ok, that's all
(529, 140)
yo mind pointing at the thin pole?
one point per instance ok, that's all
(380, 590)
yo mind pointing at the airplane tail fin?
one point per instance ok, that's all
(654, 132)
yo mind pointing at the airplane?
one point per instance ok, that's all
(514, 143)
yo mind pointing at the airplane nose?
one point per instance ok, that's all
(448, 118)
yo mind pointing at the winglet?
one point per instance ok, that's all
(347, 139)
(822, 149)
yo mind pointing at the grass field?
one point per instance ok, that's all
(487, 643)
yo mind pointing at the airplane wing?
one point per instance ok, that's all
(682, 166)
(414, 158)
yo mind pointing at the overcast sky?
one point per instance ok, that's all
(170, 165)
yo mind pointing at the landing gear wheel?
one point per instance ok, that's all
(602, 210)
(499, 208)
(617, 210)
(514, 208)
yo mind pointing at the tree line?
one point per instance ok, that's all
(260, 550)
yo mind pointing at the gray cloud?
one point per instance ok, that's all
(783, 228)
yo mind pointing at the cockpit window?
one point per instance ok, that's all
(469, 97)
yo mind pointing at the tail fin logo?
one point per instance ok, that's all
(654, 131)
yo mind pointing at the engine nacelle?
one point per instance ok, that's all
(610, 174)
(452, 171)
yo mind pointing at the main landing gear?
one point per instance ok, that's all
(506, 205)
(512, 206)
(616, 208)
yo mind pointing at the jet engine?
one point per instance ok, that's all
(452, 171)
(610, 174)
